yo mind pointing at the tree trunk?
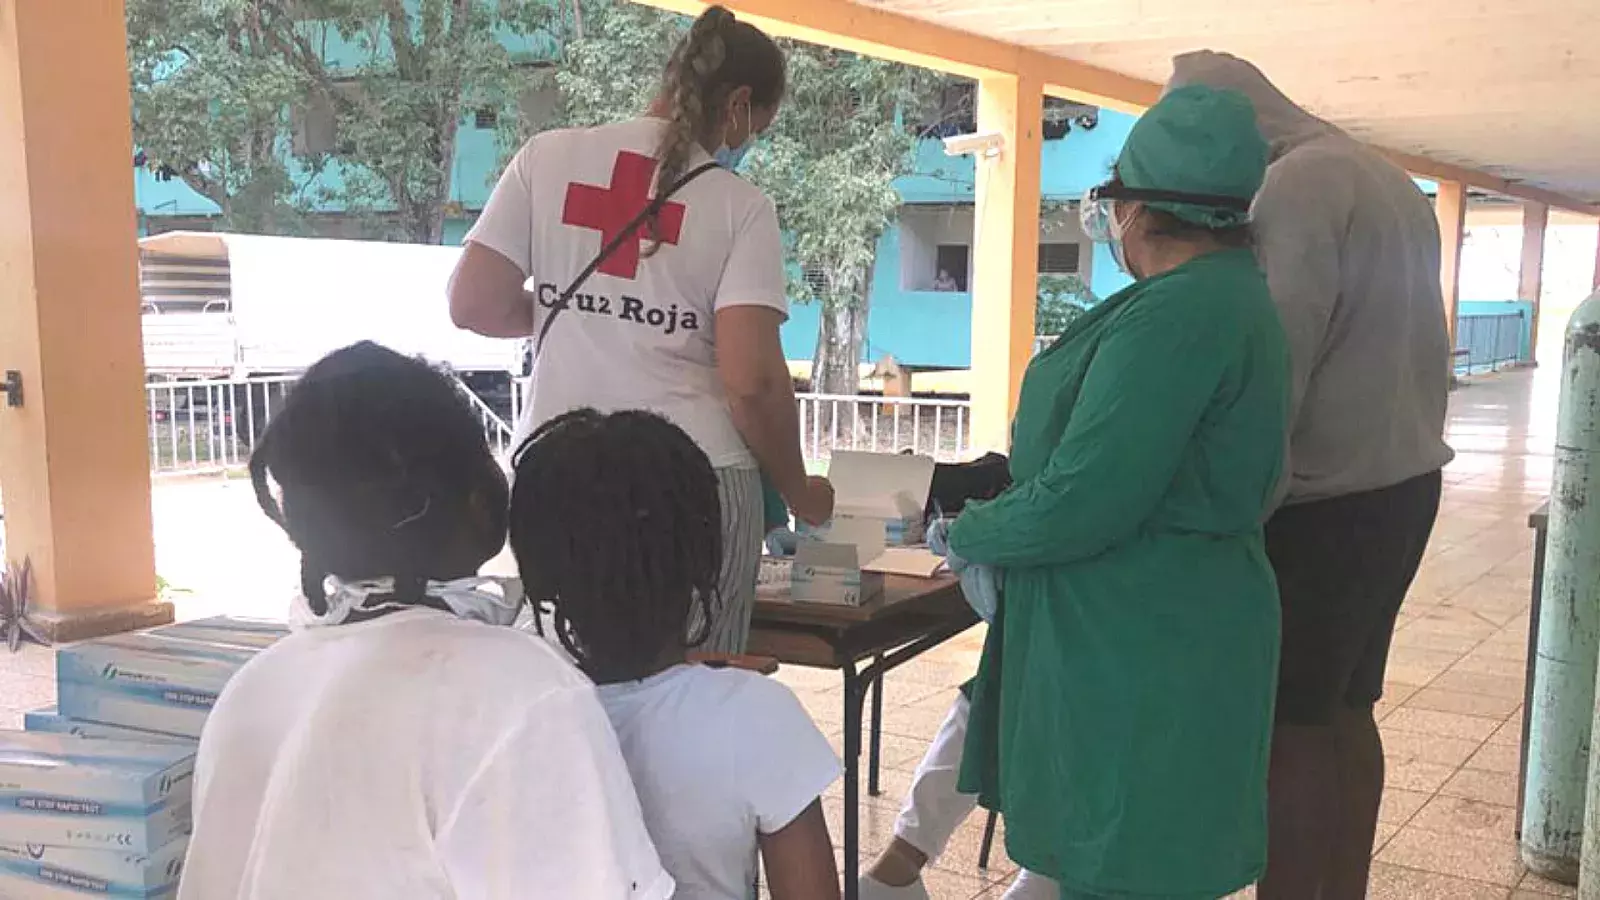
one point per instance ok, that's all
(841, 332)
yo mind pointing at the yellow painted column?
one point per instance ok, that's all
(74, 464)
(1451, 208)
(1530, 282)
(1005, 272)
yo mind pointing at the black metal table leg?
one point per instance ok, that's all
(988, 839)
(856, 685)
(854, 695)
(875, 751)
(1541, 534)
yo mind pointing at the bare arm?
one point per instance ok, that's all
(486, 295)
(761, 398)
(799, 859)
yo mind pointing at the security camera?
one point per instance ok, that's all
(984, 144)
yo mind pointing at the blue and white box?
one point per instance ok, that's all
(145, 681)
(37, 872)
(47, 720)
(229, 630)
(834, 571)
(65, 791)
(888, 490)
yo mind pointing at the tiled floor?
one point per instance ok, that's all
(1451, 717)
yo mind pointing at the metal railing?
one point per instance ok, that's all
(938, 428)
(497, 430)
(211, 425)
(198, 427)
(1485, 343)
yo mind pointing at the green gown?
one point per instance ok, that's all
(1122, 711)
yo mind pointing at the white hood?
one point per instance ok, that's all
(1282, 123)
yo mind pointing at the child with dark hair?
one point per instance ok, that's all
(615, 522)
(382, 749)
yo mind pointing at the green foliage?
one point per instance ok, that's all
(1062, 298)
(218, 86)
(210, 100)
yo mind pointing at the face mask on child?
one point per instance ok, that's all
(494, 601)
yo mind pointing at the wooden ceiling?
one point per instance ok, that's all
(1506, 87)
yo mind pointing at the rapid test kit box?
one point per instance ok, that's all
(36, 872)
(146, 681)
(78, 793)
(832, 570)
(49, 721)
(888, 490)
(878, 505)
(229, 630)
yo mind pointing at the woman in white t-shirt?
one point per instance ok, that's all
(681, 317)
(383, 749)
(614, 519)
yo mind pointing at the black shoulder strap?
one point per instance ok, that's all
(628, 233)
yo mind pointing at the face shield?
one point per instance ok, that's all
(1097, 212)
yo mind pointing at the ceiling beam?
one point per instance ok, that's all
(893, 36)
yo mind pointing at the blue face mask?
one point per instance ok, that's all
(730, 157)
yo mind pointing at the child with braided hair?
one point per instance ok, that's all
(402, 741)
(615, 524)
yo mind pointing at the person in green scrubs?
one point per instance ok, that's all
(1122, 712)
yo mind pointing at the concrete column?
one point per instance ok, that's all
(1451, 208)
(74, 460)
(1006, 254)
(1535, 216)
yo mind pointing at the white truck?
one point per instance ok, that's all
(238, 305)
(228, 316)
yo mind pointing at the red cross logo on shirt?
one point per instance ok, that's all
(610, 209)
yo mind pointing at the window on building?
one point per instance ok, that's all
(1059, 259)
(315, 125)
(951, 263)
(816, 279)
(539, 103)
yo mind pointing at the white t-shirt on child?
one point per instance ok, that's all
(641, 332)
(717, 755)
(416, 755)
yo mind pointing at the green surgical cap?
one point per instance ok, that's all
(1197, 140)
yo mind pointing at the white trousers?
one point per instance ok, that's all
(934, 809)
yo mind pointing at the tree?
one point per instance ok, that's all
(828, 163)
(210, 97)
(218, 86)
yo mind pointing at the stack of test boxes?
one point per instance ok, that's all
(94, 795)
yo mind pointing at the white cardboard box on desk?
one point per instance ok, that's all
(231, 630)
(54, 873)
(48, 721)
(145, 681)
(66, 791)
(890, 490)
(830, 570)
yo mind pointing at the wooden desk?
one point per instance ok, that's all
(914, 615)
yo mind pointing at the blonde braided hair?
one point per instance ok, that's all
(719, 55)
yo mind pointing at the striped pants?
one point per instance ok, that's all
(739, 491)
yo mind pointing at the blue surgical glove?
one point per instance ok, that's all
(979, 584)
(782, 542)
